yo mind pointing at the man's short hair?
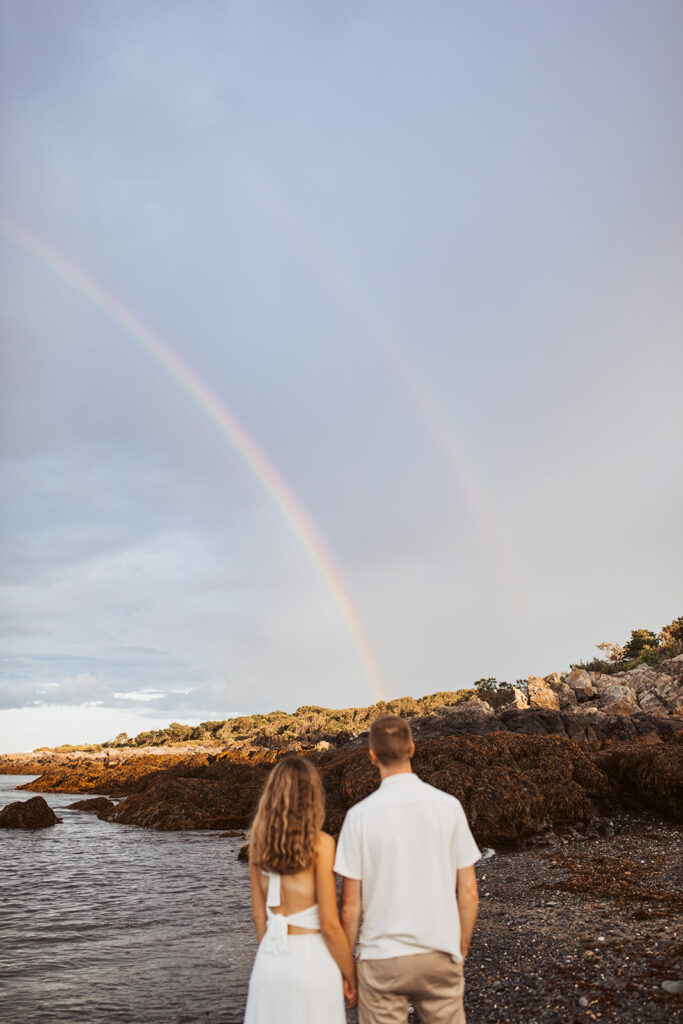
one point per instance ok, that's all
(391, 738)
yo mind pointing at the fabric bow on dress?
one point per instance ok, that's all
(275, 939)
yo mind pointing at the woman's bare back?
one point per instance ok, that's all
(297, 892)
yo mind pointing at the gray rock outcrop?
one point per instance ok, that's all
(519, 701)
(580, 682)
(656, 691)
(542, 695)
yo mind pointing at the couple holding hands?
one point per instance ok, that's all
(406, 856)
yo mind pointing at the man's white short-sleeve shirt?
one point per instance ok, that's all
(405, 843)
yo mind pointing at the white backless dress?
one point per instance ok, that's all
(294, 979)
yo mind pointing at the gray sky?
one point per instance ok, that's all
(428, 255)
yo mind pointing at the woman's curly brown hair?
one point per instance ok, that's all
(288, 819)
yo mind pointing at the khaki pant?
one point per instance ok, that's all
(432, 981)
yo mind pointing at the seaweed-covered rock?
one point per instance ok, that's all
(98, 805)
(118, 777)
(28, 814)
(177, 804)
(646, 776)
(512, 784)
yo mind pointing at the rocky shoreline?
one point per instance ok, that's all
(581, 931)
(515, 788)
(645, 703)
(580, 907)
(581, 748)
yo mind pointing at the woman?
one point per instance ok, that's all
(304, 965)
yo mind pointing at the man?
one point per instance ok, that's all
(407, 859)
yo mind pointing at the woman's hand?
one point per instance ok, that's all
(351, 994)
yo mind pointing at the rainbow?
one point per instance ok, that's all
(195, 388)
(467, 479)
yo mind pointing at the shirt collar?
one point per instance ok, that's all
(400, 777)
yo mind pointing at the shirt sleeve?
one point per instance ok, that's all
(348, 861)
(466, 850)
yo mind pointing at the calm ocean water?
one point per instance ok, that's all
(112, 924)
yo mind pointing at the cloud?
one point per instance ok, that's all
(234, 184)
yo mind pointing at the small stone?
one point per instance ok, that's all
(672, 986)
(583, 1001)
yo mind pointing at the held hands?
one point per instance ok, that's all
(351, 993)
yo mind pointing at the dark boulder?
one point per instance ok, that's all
(648, 776)
(471, 718)
(33, 813)
(98, 805)
(171, 804)
(510, 786)
(534, 722)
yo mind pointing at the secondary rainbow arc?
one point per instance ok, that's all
(403, 366)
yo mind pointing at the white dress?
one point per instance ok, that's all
(294, 979)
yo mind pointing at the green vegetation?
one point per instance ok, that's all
(68, 748)
(305, 721)
(643, 648)
(311, 721)
(494, 693)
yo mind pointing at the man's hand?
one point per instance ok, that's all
(351, 995)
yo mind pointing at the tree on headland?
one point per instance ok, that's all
(641, 640)
(643, 648)
(614, 652)
(671, 636)
(178, 733)
(495, 693)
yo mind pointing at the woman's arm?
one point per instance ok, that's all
(330, 925)
(467, 896)
(258, 900)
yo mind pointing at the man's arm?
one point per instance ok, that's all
(468, 903)
(350, 910)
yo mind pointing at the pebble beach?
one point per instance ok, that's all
(582, 931)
